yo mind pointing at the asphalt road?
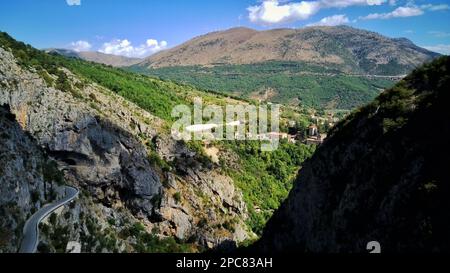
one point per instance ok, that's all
(30, 238)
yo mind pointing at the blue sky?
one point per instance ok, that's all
(138, 28)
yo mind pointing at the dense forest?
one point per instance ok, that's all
(266, 177)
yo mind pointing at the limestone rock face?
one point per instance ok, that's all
(94, 150)
(22, 185)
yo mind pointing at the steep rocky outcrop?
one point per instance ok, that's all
(96, 152)
(25, 185)
(104, 144)
(382, 175)
(344, 48)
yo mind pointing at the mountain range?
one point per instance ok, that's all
(345, 48)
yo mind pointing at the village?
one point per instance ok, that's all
(314, 134)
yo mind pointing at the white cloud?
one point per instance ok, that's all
(439, 34)
(79, 46)
(271, 12)
(348, 3)
(73, 2)
(407, 11)
(435, 7)
(334, 20)
(399, 12)
(126, 48)
(443, 49)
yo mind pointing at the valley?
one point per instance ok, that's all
(314, 67)
(355, 153)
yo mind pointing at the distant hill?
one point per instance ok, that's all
(382, 175)
(347, 49)
(97, 57)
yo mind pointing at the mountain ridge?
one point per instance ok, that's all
(350, 49)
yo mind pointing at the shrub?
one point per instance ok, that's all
(177, 197)
(51, 173)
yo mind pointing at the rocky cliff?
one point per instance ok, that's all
(382, 175)
(106, 146)
(24, 181)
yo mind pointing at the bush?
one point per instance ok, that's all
(35, 196)
(46, 77)
(177, 197)
(157, 161)
(53, 219)
(51, 173)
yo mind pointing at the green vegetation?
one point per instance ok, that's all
(51, 173)
(58, 235)
(53, 219)
(35, 196)
(266, 178)
(157, 161)
(156, 96)
(398, 103)
(311, 86)
(60, 238)
(5, 237)
(148, 243)
(98, 240)
(177, 197)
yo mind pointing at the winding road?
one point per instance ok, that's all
(30, 238)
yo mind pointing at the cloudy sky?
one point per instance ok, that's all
(139, 28)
